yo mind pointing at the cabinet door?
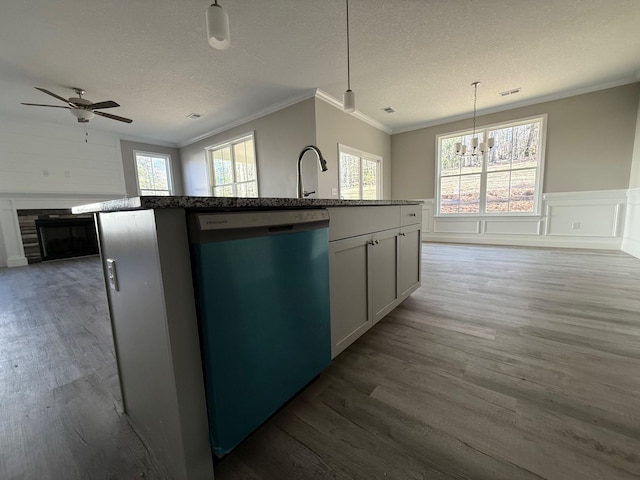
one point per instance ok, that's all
(350, 264)
(409, 260)
(384, 271)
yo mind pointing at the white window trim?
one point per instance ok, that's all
(537, 206)
(154, 154)
(230, 141)
(362, 154)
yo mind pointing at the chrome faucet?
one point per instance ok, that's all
(323, 164)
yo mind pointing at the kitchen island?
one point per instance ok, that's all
(374, 258)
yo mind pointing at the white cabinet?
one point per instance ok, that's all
(349, 280)
(409, 259)
(375, 265)
(384, 272)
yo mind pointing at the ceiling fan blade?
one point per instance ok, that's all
(43, 90)
(107, 104)
(41, 105)
(113, 117)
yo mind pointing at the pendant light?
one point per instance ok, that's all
(476, 149)
(218, 27)
(348, 98)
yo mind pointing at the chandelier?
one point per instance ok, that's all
(477, 149)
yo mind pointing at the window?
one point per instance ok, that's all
(508, 180)
(153, 172)
(233, 168)
(359, 174)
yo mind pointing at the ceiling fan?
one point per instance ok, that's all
(81, 108)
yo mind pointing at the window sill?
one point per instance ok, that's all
(504, 216)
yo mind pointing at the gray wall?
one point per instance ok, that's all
(590, 141)
(128, 165)
(333, 126)
(279, 137)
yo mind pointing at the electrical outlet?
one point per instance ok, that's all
(575, 225)
(45, 173)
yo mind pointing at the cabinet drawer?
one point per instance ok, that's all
(410, 214)
(345, 222)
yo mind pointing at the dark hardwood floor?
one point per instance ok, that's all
(508, 363)
(60, 405)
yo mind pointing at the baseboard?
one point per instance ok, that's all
(17, 261)
(530, 241)
(631, 246)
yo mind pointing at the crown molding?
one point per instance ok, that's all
(262, 113)
(148, 141)
(524, 103)
(322, 95)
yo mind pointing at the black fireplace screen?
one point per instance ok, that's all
(66, 237)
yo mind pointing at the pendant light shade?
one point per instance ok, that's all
(218, 27)
(349, 101)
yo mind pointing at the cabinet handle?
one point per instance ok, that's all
(403, 234)
(376, 242)
(412, 214)
(370, 242)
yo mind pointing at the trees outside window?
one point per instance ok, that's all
(233, 168)
(360, 174)
(506, 180)
(153, 174)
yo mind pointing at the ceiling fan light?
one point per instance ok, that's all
(218, 27)
(82, 114)
(349, 101)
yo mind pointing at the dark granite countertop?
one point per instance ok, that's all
(224, 203)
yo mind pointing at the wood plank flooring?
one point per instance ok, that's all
(508, 363)
(60, 404)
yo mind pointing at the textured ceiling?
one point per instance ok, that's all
(417, 56)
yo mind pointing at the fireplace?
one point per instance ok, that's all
(49, 234)
(66, 237)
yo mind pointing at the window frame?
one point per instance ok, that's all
(538, 195)
(231, 142)
(362, 155)
(168, 164)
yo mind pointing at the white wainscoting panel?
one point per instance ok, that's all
(427, 215)
(592, 219)
(596, 214)
(508, 226)
(583, 220)
(449, 225)
(631, 241)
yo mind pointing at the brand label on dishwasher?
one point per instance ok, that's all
(219, 221)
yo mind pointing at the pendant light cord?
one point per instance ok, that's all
(348, 55)
(475, 101)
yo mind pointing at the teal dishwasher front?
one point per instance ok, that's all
(262, 291)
